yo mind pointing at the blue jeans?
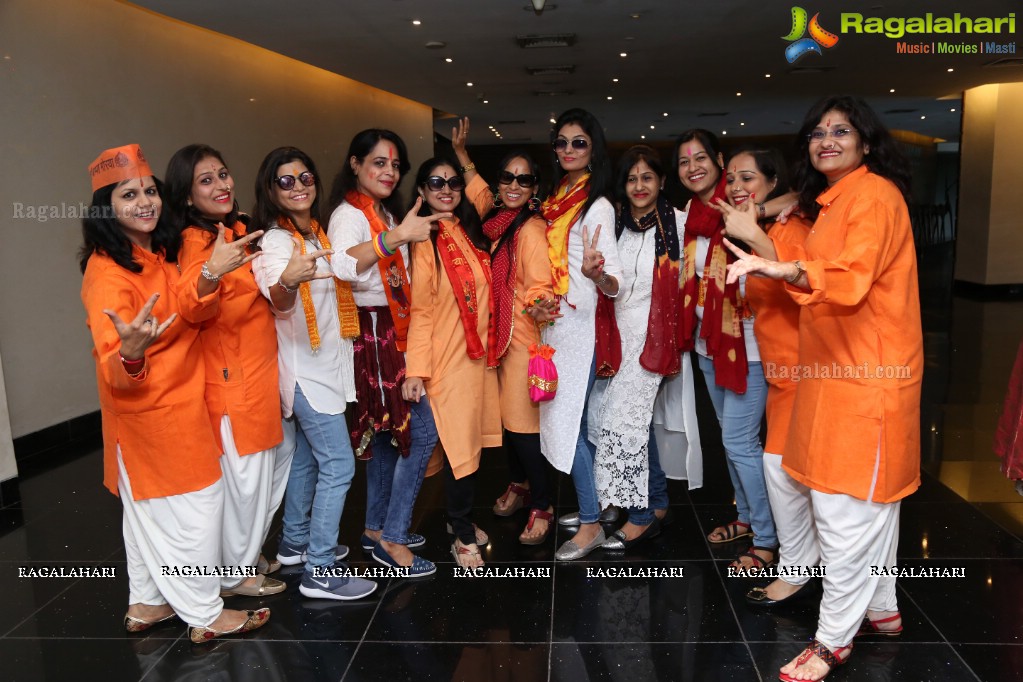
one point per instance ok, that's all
(582, 465)
(739, 417)
(657, 489)
(321, 473)
(393, 481)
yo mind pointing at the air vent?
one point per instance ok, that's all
(1006, 61)
(530, 42)
(712, 114)
(901, 111)
(565, 70)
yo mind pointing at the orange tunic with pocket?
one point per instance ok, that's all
(239, 343)
(776, 325)
(857, 411)
(159, 419)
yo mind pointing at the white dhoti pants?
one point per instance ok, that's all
(174, 534)
(854, 535)
(793, 519)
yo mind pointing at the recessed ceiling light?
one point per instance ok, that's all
(416, 22)
(738, 94)
(742, 124)
(623, 54)
(436, 45)
(253, 99)
(665, 113)
(651, 128)
(724, 132)
(469, 84)
(486, 101)
(614, 80)
(922, 117)
(553, 121)
(952, 110)
(951, 70)
(634, 16)
(892, 90)
(767, 75)
(642, 137)
(609, 96)
(448, 60)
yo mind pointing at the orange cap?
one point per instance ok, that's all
(117, 164)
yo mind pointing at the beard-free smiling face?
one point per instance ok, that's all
(698, 170)
(212, 192)
(514, 195)
(837, 156)
(137, 204)
(297, 201)
(642, 186)
(744, 180)
(445, 199)
(378, 173)
(573, 161)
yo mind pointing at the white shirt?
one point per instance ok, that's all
(752, 349)
(349, 227)
(327, 376)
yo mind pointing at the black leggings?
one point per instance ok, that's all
(527, 463)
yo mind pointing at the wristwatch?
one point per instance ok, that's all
(800, 271)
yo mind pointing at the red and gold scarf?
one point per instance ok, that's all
(396, 284)
(463, 282)
(502, 265)
(561, 210)
(722, 307)
(347, 313)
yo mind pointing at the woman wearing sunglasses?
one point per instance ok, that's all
(217, 290)
(521, 296)
(372, 254)
(160, 454)
(316, 322)
(448, 380)
(584, 261)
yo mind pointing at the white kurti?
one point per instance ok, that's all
(573, 338)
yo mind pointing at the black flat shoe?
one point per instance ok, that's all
(758, 595)
(618, 543)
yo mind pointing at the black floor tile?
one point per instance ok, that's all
(993, 662)
(32, 660)
(951, 531)
(66, 534)
(455, 662)
(23, 596)
(870, 662)
(680, 540)
(688, 662)
(253, 659)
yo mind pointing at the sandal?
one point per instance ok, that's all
(522, 498)
(760, 564)
(535, 514)
(467, 556)
(870, 629)
(829, 657)
(482, 539)
(732, 531)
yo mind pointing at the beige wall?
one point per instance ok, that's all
(79, 76)
(990, 224)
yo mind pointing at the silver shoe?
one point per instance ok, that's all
(609, 515)
(571, 551)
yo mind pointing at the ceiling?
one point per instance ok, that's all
(686, 63)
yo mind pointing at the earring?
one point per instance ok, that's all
(589, 167)
(497, 201)
(533, 204)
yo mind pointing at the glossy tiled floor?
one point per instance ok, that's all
(568, 626)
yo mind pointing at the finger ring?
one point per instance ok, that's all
(149, 320)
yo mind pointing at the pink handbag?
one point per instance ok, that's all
(543, 375)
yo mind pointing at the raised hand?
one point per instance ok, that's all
(459, 136)
(593, 260)
(228, 256)
(139, 334)
(302, 267)
(415, 228)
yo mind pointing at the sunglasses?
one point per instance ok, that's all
(579, 143)
(286, 182)
(436, 183)
(526, 181)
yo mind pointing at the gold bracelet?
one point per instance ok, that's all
(468, 167)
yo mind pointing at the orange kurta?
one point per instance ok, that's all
(239, 343)
(462, 392)
(159, 419)
(776, 325)
(861, 322)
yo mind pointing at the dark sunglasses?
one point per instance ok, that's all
(579, 143)
(507, 178)
(436, 183)
(286, 182)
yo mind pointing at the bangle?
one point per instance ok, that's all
(377, 249)
(209, 275)
(604, 277)
(280, 283)
(383, 244)
(468, 167)
(133, 367)
(800, 271)
(761, 210)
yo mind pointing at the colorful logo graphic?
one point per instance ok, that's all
(801, 46)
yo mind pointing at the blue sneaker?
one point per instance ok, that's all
(412, 541)
(293, 555)
(335, 587)
(420, 567)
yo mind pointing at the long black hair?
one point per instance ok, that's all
(710, 144)
(360, 147)
(178, 188)
(630, 158)
(525, 213)
(465, 212)
(266, 212)
(885, 157)
(600, 162)
(102, 234)
(771, 164)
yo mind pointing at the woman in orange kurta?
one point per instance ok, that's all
(522, 277)
(854, 441)
(239, 342)
(446, 362)
(160, 454)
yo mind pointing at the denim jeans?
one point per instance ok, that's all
(321, 473)
(657, 489)
(582, 465)
(739, 417)
(393, 481)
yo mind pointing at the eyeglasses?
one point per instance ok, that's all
(579, 144)
(436, 183)
(819, 135)
(286, 182)
(507, 178)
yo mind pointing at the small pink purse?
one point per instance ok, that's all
(543, 375)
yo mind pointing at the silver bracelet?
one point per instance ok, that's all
(286, 290)
(209, 275)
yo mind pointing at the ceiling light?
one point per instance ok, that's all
(532, 41)
(742, 124)
(486, 101)
(767, 75)
(951, 70)
(538, 5)
(448, 60)
(665, 113)
(724, 132)
(553, 121)
(253, 99)
(952, 110)
(642, 137)
(892, 90)
(623, 54)
(469, 84)
(614, 80)
(738, 94)
(416, 22)
(436, 45)
(922, 117)
(609, 96)
(651, 127)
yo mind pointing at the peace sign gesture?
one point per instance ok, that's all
(302, 267)
(228, 256)
(139, 334)
(593, 259)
